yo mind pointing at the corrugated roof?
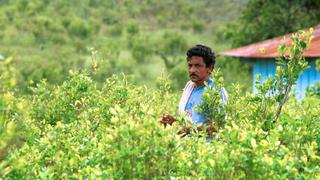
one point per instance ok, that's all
(271, 47)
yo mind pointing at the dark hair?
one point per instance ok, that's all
(203, 51)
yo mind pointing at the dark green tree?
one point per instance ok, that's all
(264, 19)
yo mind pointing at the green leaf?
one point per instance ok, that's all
(282, 49)
(303, 44)
(317, 65)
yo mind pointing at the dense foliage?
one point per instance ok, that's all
(80, 130)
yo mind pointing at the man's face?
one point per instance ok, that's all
(198, 71)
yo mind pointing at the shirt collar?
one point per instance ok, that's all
(209, 82)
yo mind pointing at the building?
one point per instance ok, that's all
(264, 63)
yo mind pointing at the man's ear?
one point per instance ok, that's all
(210, 69)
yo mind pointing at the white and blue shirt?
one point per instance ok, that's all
(195, 100)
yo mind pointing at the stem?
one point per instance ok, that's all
(287, 91)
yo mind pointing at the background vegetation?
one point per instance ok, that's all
(141, 38)
(145, 39)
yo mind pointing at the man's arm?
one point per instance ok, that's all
(167, 119)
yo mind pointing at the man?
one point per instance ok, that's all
(201, 61)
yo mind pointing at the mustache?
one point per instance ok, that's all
(193, 74)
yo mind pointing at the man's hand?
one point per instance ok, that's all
(209, 129)
(184, 131)
(167, 119)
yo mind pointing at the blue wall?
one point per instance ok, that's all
(267, 67)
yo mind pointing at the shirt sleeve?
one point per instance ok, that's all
(224, 96)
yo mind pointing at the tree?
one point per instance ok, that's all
(264, 19)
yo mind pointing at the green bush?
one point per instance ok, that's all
(14, 115)
(79, 28)
(81, 131)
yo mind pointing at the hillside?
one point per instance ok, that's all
(47, 38)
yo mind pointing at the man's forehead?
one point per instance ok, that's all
(195, 60)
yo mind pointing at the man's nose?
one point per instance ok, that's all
(192, 69)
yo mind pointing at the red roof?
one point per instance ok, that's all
(270, 47)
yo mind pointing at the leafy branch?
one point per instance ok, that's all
(213, 105)
(290, 67)
(274, 92)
